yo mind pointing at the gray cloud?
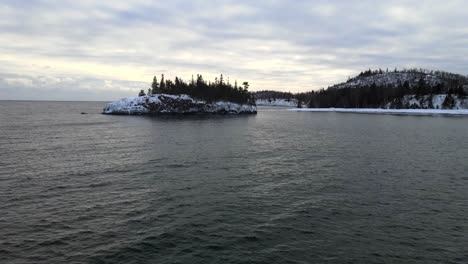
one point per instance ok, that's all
(65, 88)
(104, 50)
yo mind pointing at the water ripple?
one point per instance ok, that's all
(280, 187)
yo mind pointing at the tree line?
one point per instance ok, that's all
(199, 88)
(441, 74)
(269, 94)
(375, 96)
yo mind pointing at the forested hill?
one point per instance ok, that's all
(414, 88)
(272, 95)
(275, 98)
(414, 78)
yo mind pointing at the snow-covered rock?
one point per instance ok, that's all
(174, 104)
(435, 101)
(277, 102)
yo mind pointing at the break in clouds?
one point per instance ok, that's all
(105, 50)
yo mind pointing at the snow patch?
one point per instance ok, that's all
(435, 101)
(276, 102)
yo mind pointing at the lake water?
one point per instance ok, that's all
(278, 187)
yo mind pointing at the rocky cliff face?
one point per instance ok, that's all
(174, 104)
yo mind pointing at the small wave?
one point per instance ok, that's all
(100, 184)
(215, 247)
(58, 187)
(54, 242)
(251, 238)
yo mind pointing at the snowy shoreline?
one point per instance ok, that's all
(276, 102)
(174, 104)
(457, 112)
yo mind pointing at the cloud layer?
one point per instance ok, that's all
(104, 50)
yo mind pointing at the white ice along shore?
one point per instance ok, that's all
(174, 104)
(414, 105)
(385, 111)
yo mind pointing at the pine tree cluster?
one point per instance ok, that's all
(442, 74)
(271, 95)
(375, 96)
(198, 88)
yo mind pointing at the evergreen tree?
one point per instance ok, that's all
(449, 102)
(430, 102)
(420, 89)
(162, 85)
(299, 103)
(200, 89)
(154, 85)
(246, 85)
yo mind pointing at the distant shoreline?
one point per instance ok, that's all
(456, 112)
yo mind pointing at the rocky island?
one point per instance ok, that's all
(179, 97)
(174, 104)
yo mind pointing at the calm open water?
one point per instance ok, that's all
(278, 187)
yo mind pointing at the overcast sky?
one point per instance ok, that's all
(106, 50)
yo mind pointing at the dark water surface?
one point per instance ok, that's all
(279, 187)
